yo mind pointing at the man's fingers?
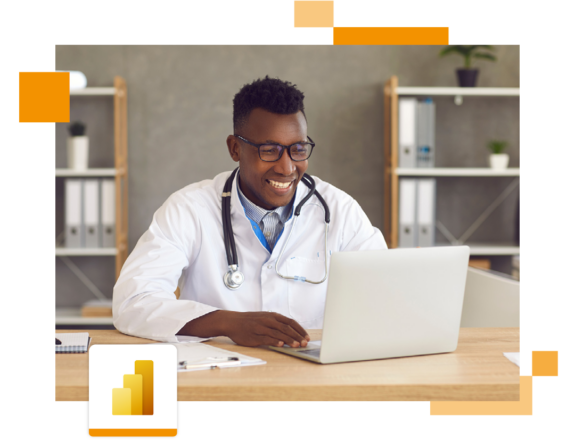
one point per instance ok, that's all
(293, 324)
(287, 330)
(283, 337)
(268, 340)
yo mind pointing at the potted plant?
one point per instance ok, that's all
(467, 77)
(497, 159)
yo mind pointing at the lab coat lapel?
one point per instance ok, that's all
(243, 233)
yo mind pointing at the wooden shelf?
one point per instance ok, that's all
(90, 172)
(94, 91)
(456, 172)
(392, 173)
(73, 316)
(513, 249)
(458, 91)
(85, 252)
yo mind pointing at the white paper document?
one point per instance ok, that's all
(195, 353)
(521, 359)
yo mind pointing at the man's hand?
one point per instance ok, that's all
(264, 328)
(249, 328)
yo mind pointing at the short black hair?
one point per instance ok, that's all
(271, 94)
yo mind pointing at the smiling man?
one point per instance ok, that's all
(274, 290)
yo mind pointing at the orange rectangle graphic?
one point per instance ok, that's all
(313, 13)
(390, 36)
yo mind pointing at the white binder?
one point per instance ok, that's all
(108, 190)
(91, 225)
(425, 134)
(73, 214)
(407, 114)
(425, 212)
(407, 204)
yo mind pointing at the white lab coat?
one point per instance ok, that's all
(184, 247)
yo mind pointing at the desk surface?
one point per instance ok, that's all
(477, 370)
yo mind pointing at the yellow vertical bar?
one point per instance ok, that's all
(146, 369)
(134, 382)
(121, 401)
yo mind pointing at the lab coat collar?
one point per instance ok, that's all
(238, 210)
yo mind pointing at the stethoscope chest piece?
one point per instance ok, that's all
(233, 278)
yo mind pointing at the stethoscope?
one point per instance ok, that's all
(233, 278)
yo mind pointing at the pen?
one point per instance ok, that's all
(212, 363)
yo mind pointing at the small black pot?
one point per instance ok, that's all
(467, 77)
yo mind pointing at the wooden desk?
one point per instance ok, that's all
(477, 370)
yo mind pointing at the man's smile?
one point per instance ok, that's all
(280, 188)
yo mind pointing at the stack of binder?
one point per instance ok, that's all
(416, 212)
(544, 267)
(90, 216)
(416, 133)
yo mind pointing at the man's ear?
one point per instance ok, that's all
(233, 148)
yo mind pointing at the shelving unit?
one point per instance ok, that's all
(513, 249)
(392, 172)
(91, 172)
(85, 252)
(72, 316)
(456, 91)
(456, 172)
(120, 173)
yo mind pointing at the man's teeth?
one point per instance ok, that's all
(279, 184)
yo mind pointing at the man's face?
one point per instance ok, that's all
(260, 181)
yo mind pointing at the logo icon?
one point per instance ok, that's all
(136, 398)
(133, 380)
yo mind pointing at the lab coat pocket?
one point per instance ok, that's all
(306, 301)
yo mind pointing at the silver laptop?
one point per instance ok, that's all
(390, 303)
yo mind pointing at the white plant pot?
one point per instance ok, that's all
(78, 147)
(499, 161)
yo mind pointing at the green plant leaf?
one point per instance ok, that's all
(497, 147)
(484, 47)
(449, 49)
(485, 56)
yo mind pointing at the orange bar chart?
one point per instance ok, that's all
(146, 369)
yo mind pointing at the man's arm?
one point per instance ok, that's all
(144, 303)
(248, 328)
(359, 234)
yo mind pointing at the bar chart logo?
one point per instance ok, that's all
(136, 398)
(133, 380)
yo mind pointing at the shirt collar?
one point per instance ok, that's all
(257, 213)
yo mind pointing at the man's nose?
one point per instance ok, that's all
(285, 165)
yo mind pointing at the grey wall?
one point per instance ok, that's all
(180, 112)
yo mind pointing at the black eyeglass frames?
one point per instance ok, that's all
(298, 152)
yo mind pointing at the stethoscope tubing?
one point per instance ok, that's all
(230, 243)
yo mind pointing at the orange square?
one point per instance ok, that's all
(44, 97)
(313, 14)
(545, 363)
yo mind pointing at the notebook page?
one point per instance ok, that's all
(72, 342)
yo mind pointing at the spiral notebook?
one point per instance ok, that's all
(73, 342)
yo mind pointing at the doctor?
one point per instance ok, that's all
(184, 246)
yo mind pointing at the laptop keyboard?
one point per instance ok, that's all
(313, 352)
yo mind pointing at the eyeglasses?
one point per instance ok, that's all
(273, 152)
